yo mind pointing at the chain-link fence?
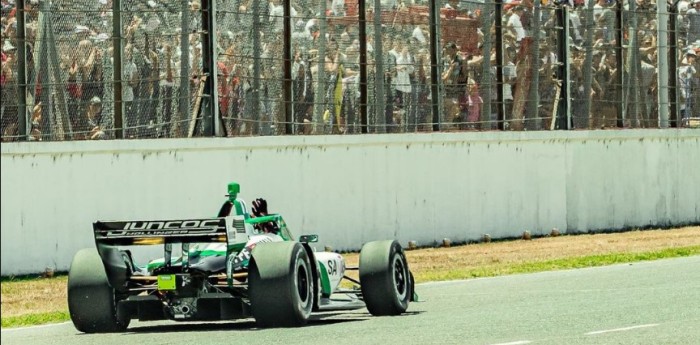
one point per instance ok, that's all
(298, 67)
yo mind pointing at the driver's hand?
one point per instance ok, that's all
(259, 208)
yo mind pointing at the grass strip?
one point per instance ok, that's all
(35, 319)
(554, 265)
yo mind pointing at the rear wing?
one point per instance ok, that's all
(125, 233)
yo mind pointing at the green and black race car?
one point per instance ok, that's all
(237, 265)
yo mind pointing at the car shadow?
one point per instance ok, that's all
(241, 325)
(315, 320)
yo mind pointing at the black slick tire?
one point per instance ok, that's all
(385, 278)
(92, 302)
(280, 284)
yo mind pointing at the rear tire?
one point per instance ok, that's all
(280, 284)
(92, 302)
(384, 278)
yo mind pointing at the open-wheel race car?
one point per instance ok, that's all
(236, 265)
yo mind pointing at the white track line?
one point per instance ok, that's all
(622, 329)
(33, 327)
(521, 342)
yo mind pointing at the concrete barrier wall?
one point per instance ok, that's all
(352, 189)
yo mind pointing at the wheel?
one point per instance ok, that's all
(384, 278)
(280, 284)
(92, 302)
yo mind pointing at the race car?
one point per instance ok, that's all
(232, 266)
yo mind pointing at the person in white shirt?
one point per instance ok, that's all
(402, 81)
(687, 73)
(515, 24)
(338, 8)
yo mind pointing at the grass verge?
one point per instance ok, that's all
(557, 264)
(35, 319)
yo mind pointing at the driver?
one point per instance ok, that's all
(238, 206)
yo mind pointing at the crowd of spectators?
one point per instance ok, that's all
(326, 65)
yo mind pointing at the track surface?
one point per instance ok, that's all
(654, 302)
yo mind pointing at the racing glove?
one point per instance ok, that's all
(259, 208)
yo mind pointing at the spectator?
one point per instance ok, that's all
(686, 83)
(167, 84)
(8, 87)
(606, 21)
(94, 118)
(515, 24)
(454, 77)
(35, 129)
(474, 102)
(130, 72)
(402, 84)
(692, 22)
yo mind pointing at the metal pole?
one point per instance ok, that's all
(184, 104)
(50, 127)
(320, 92)
(622, 109)
(362, 17)
(62, 118)
(588, 67)
(534, 91)
(23, 120)
(662, 54)
(117, 51)
(435, 55)
(256, 67)
(498, 15)
(288, 94)
(210, 108)
(379, 91)
(633, 65)
(673, 65)
(486, 87)
(564, 112)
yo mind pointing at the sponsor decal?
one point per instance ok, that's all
(161, 228)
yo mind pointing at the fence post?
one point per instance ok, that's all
(587, 70)
(184, 101)
(673, 64)
(564, 111)
(288, 96)
(22, 124)
(435, 54)
(362, 18)
(498, 15)
(486, 82)
(622, 109)
(533, 120)
(210, 98)
(379, 89)
(662, 46)
(118, 47)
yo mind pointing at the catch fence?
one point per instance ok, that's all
(86, 69)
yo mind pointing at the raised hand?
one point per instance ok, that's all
(259, 208)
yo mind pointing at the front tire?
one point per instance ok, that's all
(384, 278)
(92, 302)
(280, 284)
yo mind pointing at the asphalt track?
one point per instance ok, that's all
(655, 302)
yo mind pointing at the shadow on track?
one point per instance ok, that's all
(243, 324)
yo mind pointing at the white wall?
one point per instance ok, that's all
(351, 189)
